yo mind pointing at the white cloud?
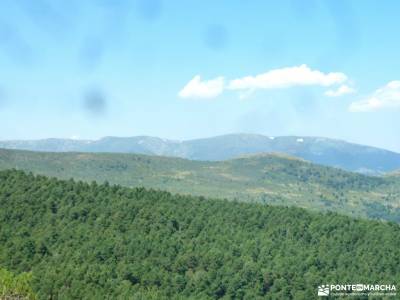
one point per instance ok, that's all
(342, 90)
(274, 79)
(196, 88)
(287, 77)
(385, 97)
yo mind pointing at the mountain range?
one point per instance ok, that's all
(324, 151)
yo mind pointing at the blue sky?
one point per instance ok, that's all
(190, 69)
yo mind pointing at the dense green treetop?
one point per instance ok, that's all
(90, 241)
(15, 286)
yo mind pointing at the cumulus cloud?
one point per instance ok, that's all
(287, 77)
(274, 79)
(342, 90)
(385, 97)
(196, 88)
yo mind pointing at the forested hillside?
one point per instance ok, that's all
(274, 179)
(91, 241)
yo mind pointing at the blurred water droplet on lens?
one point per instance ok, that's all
(95, 102)
(2, 98)
(149, 9)
(52, 17)
(346, 41)
(216, 37)
(304, 10)
(14, 45)
(304, 101)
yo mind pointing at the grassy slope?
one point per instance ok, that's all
(273, 179)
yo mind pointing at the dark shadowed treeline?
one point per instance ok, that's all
(91, 241)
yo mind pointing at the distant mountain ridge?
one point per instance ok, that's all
(324, 151)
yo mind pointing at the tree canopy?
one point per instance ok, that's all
(100, 241)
